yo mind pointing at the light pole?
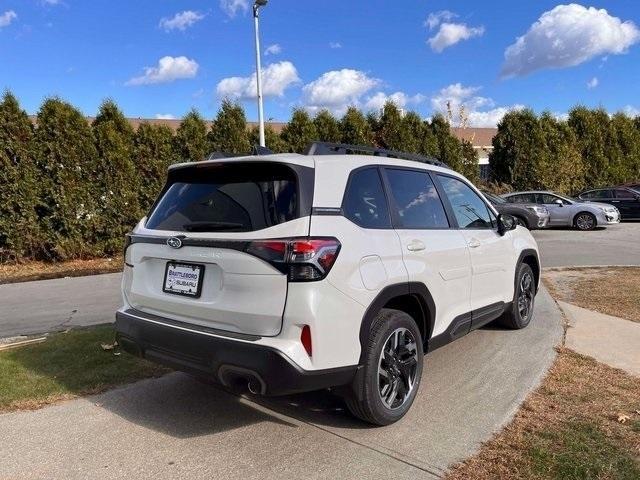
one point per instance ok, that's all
(256, 6)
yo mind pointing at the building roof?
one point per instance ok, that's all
(479, 137)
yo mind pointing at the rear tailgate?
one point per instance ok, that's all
(211, 214)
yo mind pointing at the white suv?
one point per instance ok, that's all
(289, 273)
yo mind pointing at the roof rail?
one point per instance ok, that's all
(328, 148)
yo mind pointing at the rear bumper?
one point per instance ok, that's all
(228, 359)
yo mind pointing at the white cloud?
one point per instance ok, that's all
(435, 19)
(456, 95)
(51, 2)
(566, 36)
(400, 99)
(490, 118)
(480, 111)
(631, 111)
(593, 83)
(276, 78)
(168, 70)
(274, 49)
(232, 7)
(180, 21)
(7, 17)
(165, 116)
(451, 33)
(337, 89)
(335, 45)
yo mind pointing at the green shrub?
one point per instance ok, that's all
(153, 153)
(20, 235)
(327, 127)
(299, 132)
(191, 143)
(229, 130)
(118, 178)
(67, 161)
(272, 140)
(355, 129)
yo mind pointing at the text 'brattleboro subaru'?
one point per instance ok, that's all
(340, 268)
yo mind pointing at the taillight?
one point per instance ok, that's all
(302, 259)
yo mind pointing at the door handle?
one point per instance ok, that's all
(474, 243)
(416, 245)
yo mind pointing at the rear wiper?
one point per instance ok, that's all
(213, 226)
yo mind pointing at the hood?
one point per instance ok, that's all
(597, 204)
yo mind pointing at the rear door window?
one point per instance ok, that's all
(523, 198)
(417, 203)
(365, 203)
(227, 198)
(600, 194)
(625, 194)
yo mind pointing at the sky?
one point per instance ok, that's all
(160, 58)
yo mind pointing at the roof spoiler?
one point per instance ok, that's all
(255, 151)
(328, 148)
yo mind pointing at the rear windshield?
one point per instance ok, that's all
(227, 198)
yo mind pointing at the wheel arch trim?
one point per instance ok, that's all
(416, 289)
(529, 253)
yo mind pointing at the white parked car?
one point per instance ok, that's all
(340, 268)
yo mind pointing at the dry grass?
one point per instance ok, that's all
(34, 270)
(567, 429)
(610, 290)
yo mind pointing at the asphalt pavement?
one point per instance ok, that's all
(53, 305)
(614, 245)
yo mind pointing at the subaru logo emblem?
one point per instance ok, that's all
(174, 242)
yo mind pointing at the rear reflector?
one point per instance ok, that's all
(305, 338)
(302, 259)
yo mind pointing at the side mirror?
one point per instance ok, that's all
(559, 202)
(506, 222)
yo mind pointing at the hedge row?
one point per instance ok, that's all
(71, 189)
(589, 149)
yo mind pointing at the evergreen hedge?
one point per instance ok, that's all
(72, 190)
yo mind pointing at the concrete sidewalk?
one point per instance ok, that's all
(611, 340)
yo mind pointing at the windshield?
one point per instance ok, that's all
(232, 198)
(494, 198)
(570, 199)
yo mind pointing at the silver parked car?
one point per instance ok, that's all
(567, 211)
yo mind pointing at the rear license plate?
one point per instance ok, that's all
(183, 279)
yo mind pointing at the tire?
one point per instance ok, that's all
(391, 375)
(524, 296)
(522, 222)
(585, 221)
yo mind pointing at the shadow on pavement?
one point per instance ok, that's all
(183, 407)
(180, 406)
